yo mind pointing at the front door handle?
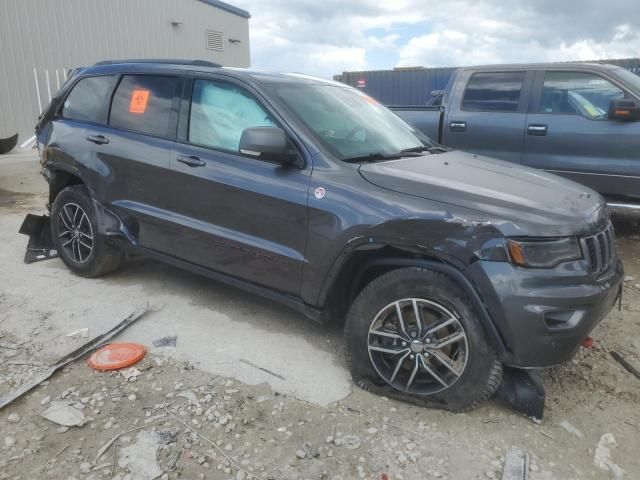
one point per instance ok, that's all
(98, 139)
(537, 130)
(191, 160)
(458, 126)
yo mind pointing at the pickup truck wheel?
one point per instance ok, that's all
(413, 334)
(75, 235)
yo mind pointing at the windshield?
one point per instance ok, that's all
(629, 78)
(347, 122)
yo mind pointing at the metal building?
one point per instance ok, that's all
(41, 40)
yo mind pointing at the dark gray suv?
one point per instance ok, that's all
(447, 266)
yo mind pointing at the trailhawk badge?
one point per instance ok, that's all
(320, 193)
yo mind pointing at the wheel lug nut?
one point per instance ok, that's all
(404, 344)
(414, 334)
(412, 357)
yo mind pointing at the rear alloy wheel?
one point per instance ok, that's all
(418, 346)
(75, 232)
(414, 334)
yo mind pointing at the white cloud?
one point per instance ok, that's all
(327, 37)
(493, 31)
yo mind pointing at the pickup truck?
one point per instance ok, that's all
(577, 120)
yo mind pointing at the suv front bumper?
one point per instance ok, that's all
(543, 315)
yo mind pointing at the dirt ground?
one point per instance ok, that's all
(252, 390)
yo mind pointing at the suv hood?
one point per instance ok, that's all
(535, 202)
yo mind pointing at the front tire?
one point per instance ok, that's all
(75, 235)
(413, 334)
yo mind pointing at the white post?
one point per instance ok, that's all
(48, 86)
(64, 74)
(35, 77)
(57, 80)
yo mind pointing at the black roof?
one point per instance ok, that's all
(155, 65)
(160, 61)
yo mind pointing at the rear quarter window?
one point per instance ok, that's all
(493, 92)
(89, 99)
(146, 104)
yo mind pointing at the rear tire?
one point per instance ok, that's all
(392, 354)
(75, 234)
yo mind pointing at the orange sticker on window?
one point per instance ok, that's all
(139, 100)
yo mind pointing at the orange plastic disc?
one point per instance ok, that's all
(116, 355)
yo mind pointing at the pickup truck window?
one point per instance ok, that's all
(220, 112)
(493, 92)
(347, 122)
(145, 104)
(89, 99)
(628, 78)
(578, 93)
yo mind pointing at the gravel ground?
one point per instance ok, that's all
(251, 390)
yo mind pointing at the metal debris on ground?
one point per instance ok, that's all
(626, 365)
(169, 341)
(76, 354)
(64, 413)
(251, 364)
(516, 465)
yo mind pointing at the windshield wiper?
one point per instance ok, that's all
(426, 148)
(372, 157)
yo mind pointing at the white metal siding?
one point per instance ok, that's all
(61, 34)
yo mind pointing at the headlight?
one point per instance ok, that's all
(543, 253)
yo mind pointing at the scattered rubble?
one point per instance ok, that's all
(602, 458)
(516, 465)
(571, 429)
(139, 458)
(80, 333)
(65, 414)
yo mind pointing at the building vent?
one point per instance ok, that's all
(214, 40)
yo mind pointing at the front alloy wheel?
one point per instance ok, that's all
(414, 334)
(417, 346)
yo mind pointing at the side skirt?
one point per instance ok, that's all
(315, 314)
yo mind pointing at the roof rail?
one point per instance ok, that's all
(165, 61)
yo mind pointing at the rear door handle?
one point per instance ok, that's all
(191, 160)
(98, 139)
(458, 126)
(537, 130)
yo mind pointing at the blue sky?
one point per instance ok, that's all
(330, 36)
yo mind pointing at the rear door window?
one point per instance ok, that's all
(220, 112)
(493, 92)
(578, 93)
(147, 104)
(89, 99)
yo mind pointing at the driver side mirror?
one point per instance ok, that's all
(268, 143)
(624, 110)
